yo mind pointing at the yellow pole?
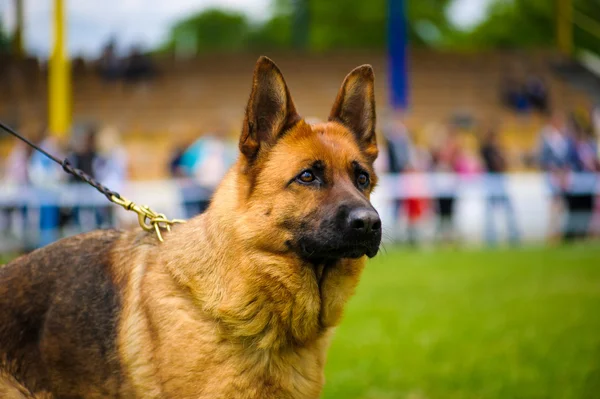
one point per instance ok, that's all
(564, 26)
(18, 43)
(59, 88)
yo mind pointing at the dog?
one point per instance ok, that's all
(240, 301)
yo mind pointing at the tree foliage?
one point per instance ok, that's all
(312, 24)
(527, 23)
(4, 40)
(320, 25)
(583, 38)
(211, 30)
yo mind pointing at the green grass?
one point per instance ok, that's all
(521, 323)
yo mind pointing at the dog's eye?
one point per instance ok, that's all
(362, 179)
(306, 177)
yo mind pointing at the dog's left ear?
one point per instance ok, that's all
(354, 107)
(270, 110)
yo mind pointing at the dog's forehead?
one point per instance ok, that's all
(329, 142)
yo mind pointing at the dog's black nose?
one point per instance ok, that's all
(364, 221)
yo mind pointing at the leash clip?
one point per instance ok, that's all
(147, 218)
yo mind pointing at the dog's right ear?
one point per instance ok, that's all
(270, 111)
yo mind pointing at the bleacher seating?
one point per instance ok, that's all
(208, 94)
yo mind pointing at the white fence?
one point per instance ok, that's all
(532, 197)
(24, 220)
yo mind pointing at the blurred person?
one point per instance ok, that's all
(109, 64)
(205, 160)
(383, 201)
(110, 168)
(595, 117)
(495, 182)
(554, 143)
(536, 93)
(46, 176)
(417, 201)
(190, 190)
(445, 156)
(399, 147)
(582, 161)
(181, 143)
(175, 165)
(138, 66)
(111, 160)
(399, 144)
(595, 120)
(553, 153)
(513, 94)
(205, 163)
(467, 163)
(83, 155)
(382, 163)
(83, 152)
(16, 168)
(16, 173)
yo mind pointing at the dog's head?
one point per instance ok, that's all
(307, 187)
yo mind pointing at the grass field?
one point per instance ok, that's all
(446, 324)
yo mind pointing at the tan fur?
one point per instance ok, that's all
(10, 388)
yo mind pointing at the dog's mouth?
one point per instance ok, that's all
(320, 251)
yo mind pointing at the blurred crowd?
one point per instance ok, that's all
(134, 67)
(97, 152)
(567, 151)
(197, 166)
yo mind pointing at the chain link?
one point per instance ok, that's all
(147, 218)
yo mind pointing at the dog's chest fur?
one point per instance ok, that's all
(215, 335)
(193, 355)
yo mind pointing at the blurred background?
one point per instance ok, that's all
(488, 124)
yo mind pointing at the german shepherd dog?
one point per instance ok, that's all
(240, 302)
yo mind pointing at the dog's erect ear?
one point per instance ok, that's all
(270, 110)
(354, 107)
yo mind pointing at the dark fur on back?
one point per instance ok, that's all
(59, 311)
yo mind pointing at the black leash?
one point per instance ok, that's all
(147, 218)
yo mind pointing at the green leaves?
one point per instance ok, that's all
(4, 39)
(306, 24)
(357, 24)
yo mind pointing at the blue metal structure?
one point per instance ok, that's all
(398, 54)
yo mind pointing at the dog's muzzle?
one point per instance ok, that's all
(356, 234)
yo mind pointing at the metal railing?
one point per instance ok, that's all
(34, 216)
